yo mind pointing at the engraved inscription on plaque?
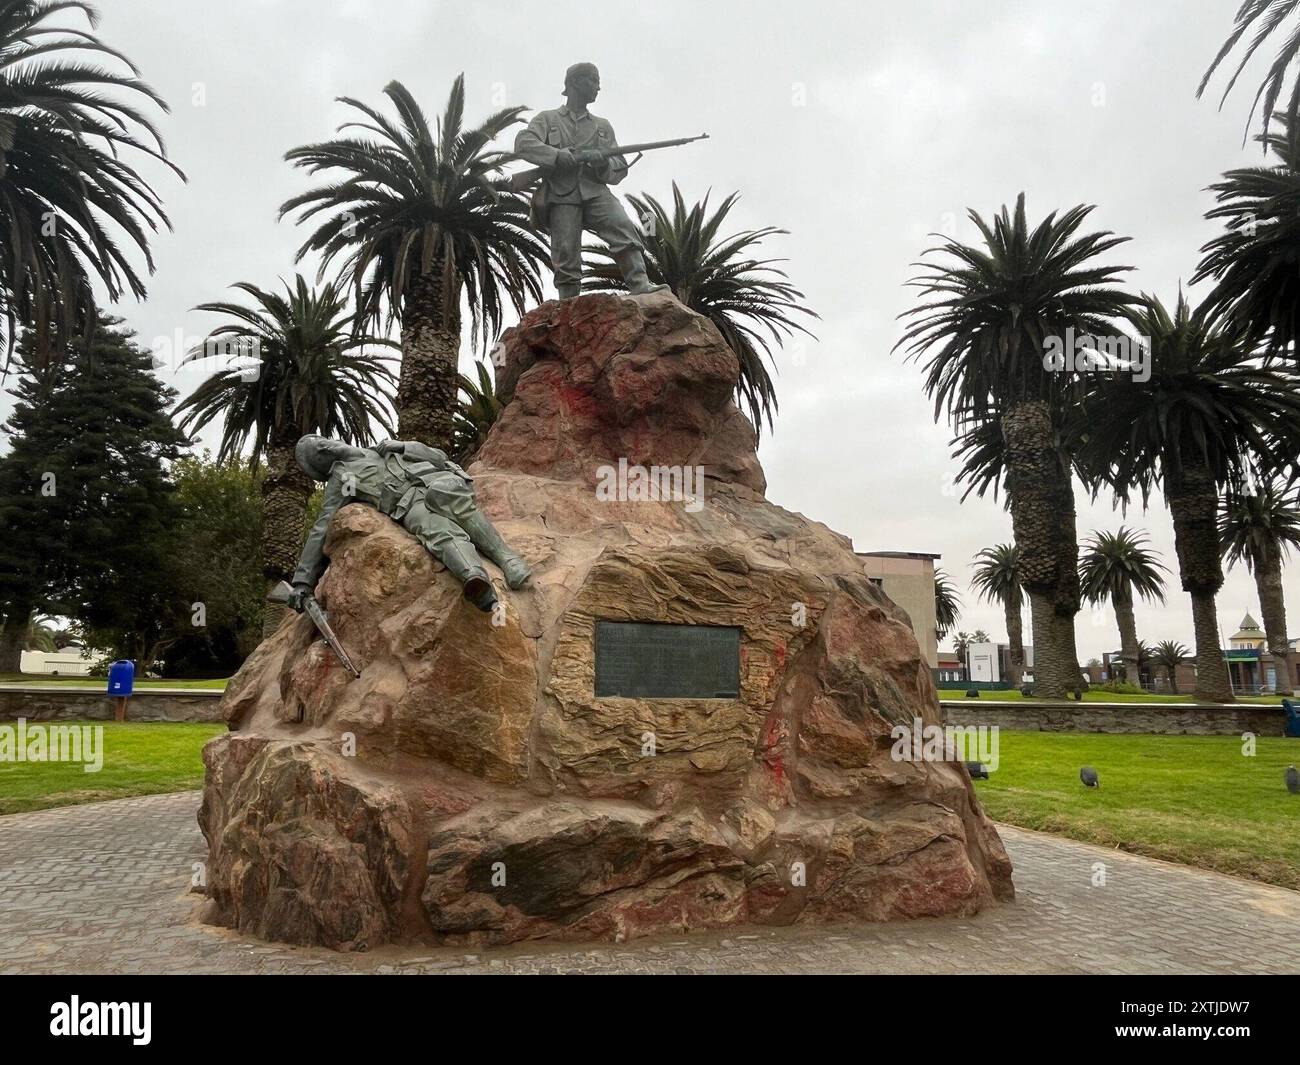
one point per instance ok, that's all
(648, 660)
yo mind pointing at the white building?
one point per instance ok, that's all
(982, 662)
(71, 661)
(989, 662)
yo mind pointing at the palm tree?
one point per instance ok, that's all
(41, 636)
(68, 194)
(749, 299)
(1143, 661)
(960, 645)
(421, 229)
(35, 635)
(1114, 566)
(947, 604)
(1170, 654)
(1267, 16)
(993, 309)
(1257, 287)
(477, 414)
(997, 580)
(1208, 412)
(299, 368)
(1259, 528)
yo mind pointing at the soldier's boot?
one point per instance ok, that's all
(489, 542)
(466, 568)
(567, 292)
(631, 262)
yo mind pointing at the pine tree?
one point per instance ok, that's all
(85, 500)
(29, 523)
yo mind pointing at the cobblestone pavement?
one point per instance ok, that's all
(104, 888)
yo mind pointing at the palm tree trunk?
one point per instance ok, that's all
(1043, 519)
(285, 492)
(1056, 661)
(1128, 638)
(1268, 583)
(1066, 653)
(427, 387)
(1212, 681)
(12, 639)
(1173, 679)
(1193, 500)
(1015, 639)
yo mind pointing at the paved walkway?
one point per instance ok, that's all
(103, 888)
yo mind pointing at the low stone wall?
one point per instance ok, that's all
(51, 703)
(1173, 719)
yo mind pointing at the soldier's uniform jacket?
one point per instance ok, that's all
(389, 482)
(547, 133)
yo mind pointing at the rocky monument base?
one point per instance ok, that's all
(471, 787)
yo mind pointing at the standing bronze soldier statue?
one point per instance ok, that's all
(571, 145)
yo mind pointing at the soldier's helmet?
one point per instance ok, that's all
(317, 455)
(575, 70)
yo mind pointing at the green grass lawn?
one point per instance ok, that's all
(1190, 799)
(145, 758)
(101, 683)
(1095, 696)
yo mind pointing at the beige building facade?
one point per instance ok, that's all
(907, 577)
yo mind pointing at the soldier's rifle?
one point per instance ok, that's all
(527, 178)
(282, 594)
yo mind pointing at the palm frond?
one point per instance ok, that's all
(1252, 262)
(1115, 565)
(478, 412)
(750, 299)
(1266, 17)
(996, 577)
(990, 310)
(297, 366)
(406, 202)
(1258, 525)
(65, 187)
(1210, 402)
(947, 604)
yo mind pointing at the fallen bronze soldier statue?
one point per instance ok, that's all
(417, 486)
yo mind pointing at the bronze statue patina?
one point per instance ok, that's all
(418, 486)
(570, 145)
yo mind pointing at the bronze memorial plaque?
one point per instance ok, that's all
(650, 660)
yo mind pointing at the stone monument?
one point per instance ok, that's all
(683, 721)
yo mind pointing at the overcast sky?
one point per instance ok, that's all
(859, 126)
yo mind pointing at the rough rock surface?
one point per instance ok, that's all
(470, 787)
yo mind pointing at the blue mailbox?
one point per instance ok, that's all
(121, 677)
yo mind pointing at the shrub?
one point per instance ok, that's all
(1118, 687)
